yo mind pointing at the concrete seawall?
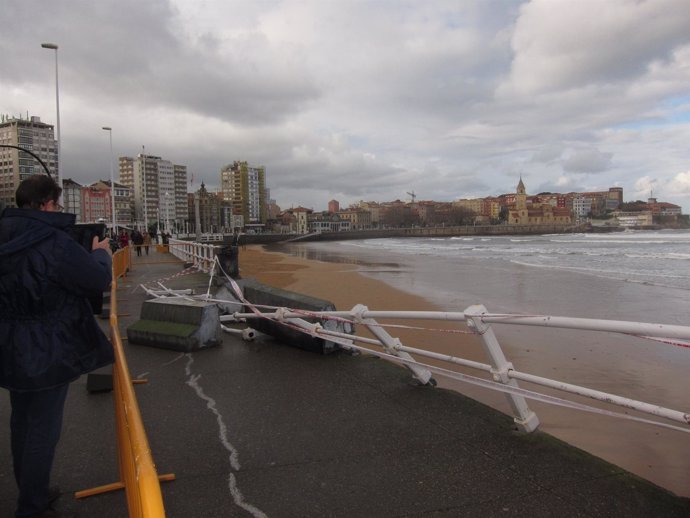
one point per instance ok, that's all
(466, 230)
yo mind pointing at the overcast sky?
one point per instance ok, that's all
(366, 100)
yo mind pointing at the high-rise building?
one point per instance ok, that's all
(158, 188)
(15, 165)
(244, 187)
(180, 193)
(71, 198)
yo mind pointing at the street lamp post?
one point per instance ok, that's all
(53, 46)
(143, 176)
(167, 212)
(112, 180)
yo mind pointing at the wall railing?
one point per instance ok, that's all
(200, 255)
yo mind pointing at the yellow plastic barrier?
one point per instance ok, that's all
(122, 262)
(138, 474)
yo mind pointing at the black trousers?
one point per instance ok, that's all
(35, 424)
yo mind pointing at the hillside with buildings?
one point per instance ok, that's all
(155, 193)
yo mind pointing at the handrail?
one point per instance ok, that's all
(199, 254)
(478, 319)
(138, 475)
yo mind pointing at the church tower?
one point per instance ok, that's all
(521, 196)
(519, 215)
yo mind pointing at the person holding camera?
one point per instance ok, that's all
(49, 334)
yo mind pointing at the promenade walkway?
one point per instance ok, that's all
(262, 429)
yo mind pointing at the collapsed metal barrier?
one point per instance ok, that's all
(138, 476)
(478, 320)
(504, 375)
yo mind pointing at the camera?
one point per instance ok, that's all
(83, 233)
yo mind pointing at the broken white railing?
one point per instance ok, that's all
(505, 377)
(200, 255)
(477, 319)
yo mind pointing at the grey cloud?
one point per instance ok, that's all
(129, 52)
(547, 154)
(563, 45)
(587, 161)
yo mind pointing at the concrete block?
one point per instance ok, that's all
(261, 294)
(177, 324)
(100, 380)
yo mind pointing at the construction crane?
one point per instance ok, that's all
(412, 195)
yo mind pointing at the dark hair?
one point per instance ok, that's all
(37, 190)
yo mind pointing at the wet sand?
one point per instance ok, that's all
(656, 454)
(345, 287)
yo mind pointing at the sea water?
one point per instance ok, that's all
(643, 275)
(639, 276)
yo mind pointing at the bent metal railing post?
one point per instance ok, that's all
(391, 345)
(138, 476)
(524, 418)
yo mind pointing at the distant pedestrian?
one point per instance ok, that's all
(147, 242)
(48, 335)
(137, 240)
(123, 238)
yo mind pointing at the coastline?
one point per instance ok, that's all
(650, 452)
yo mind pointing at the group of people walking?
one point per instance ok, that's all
(137, 238)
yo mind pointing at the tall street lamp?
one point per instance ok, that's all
(112, 180)
(167, 212)
(143, 176)
(53, 46)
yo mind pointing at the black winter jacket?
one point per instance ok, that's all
(48, 335)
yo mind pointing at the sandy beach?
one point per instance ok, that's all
(341, 284)
(653, 453)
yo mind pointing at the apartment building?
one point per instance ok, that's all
(359, 219)
(158, 190)
(16, 165)
(71, 198)
(244, 187)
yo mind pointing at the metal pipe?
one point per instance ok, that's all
(585, 324)
(591, 324)
(633, 404)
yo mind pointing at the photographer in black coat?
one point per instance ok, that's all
(49, 336)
